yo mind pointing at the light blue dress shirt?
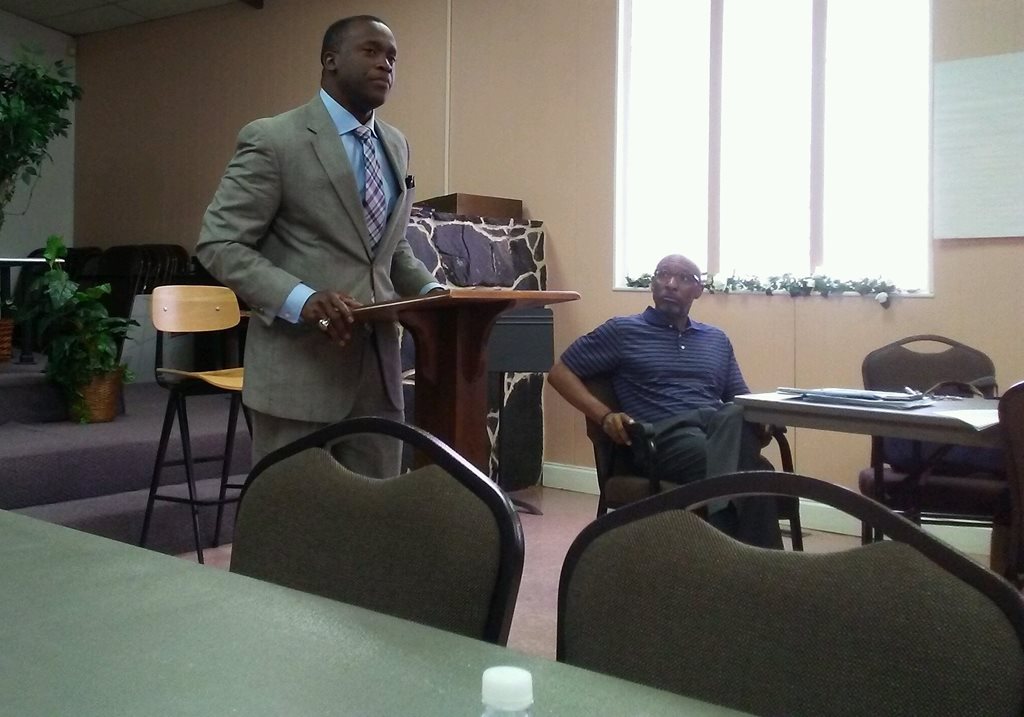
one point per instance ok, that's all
(291, 310)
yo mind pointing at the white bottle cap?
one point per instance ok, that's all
(507, 688)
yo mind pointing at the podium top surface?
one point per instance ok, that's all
(463, 297)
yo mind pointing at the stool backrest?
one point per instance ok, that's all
(180, 309)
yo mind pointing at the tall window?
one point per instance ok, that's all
(762, 137)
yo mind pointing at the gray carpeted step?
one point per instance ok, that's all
(119, 517)
(42, 463)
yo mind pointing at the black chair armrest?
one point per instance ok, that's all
(785, 452)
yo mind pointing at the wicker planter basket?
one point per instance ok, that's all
(100, 398)
(6, 337)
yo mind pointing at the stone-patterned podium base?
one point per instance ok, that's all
(472, 251)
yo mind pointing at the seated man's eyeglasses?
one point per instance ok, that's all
(663, 277)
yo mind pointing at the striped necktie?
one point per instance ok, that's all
(374, 202)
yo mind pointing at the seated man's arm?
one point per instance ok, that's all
(573, 390)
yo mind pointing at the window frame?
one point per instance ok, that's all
(816, 175)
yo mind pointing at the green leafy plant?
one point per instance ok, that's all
(79, 336)
(33, 100)
(790, 284)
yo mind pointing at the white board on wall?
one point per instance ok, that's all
(978, 147)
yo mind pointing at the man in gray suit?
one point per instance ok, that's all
(307, 224)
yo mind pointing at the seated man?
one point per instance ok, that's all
(678, 375)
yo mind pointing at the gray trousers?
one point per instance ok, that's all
(371, 455)
(708, 442)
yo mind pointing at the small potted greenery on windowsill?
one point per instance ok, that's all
(80, 338)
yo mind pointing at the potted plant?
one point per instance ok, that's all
(33, 100)
(80, 338)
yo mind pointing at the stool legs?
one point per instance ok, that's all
(176, 406)
(225, 471)
(161, 452)
(190, 478)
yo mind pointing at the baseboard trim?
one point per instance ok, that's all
(813, 515)
(567, 477)
(965, 538)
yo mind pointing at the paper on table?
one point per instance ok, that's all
(860, 397)
(977, 418)
(858, 393)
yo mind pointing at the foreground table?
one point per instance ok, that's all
(93, 627)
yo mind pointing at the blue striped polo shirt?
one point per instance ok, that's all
(658, 371)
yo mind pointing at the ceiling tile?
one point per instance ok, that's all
(93, 20)
(153, 9)
(36, 11)
(78, 17)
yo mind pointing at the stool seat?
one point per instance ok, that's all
(228, 379)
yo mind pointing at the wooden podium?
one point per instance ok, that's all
(451, 330)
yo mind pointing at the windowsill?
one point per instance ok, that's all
(785, 295)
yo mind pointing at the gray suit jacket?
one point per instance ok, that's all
(288, 210)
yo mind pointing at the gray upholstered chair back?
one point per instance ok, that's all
(422, 546)
(900, 364)
(958, 487)
(654, 594)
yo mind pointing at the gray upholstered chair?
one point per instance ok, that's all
(930, 483)
(908, 626)
(441, 545)
(620, 482)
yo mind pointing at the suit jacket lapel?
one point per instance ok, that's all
(328, 149)
(395, 149)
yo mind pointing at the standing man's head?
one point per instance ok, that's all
(675, 286)
(358, 57)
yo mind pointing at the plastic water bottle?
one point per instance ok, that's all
(507, 692)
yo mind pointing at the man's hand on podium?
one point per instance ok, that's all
(331, 312)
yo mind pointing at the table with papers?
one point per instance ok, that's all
(957, 421)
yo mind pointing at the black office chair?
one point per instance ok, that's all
(620, 482)
(441, 545)
(931, 483)
(907, 626)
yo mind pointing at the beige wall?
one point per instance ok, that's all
(530, 114)
(164, 100)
